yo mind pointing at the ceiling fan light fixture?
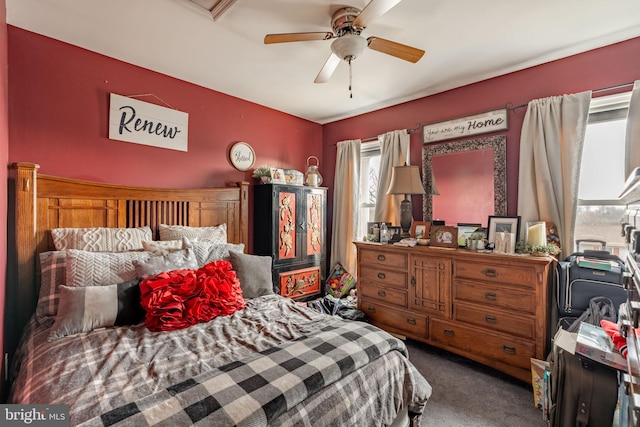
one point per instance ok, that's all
(349, 46)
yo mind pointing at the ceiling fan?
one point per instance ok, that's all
(348, 23)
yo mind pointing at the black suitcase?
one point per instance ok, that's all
(576, 285)
(582, 392)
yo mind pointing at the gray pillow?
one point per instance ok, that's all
(155, 264)
(101, 268)
(214, 234)
(207, 252)
(92, 307)
(254, 273)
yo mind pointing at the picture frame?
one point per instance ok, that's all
(465, 230)
(444, 236)
(420, 229)
(496, 223)
(277, 176)
(394, 233)
(375, 236)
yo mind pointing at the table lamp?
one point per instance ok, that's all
(405, 180)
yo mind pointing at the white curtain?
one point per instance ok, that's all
(345, 205)
(633, 131)
(550, 155)
(394, 151)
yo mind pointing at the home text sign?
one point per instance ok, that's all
(144, 123)
(490, 121)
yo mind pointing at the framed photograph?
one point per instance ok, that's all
(277, 176)
(394, 233)
(465, 230)
(373, 230)
(500, 224)
(444, 237)
(420, 229)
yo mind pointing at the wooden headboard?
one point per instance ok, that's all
(41, 203)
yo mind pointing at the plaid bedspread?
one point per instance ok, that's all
(256, 390)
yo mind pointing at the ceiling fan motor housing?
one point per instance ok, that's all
(342, 21)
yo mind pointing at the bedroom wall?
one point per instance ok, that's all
(608, 66)
(4, 155)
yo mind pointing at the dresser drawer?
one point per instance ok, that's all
(400, 320)
(384, 295)
(495, 320)
(383, 259)
(478, 341)
(381, 276)
(492, 296)
(521, 275)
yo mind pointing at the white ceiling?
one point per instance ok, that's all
(465, 41)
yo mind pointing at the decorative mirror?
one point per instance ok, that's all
(470, 180)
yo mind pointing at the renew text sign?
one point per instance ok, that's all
(144, 123)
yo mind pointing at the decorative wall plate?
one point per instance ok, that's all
(242, 156)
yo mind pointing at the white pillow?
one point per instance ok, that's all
(215, 234)
(100, 239)
(101, 268)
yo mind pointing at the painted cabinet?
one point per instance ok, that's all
(289, 225)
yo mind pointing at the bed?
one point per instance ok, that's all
(239, 355)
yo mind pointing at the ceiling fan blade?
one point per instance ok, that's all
(374, 10)
(296, 37)
(398, 50)
(327, 69)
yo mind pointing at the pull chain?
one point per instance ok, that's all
(350, 79)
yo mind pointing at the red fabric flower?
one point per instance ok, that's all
(180, 298)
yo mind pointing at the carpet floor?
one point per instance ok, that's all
(466, 393)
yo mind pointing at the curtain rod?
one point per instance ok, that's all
(375, 138)
(602, 89)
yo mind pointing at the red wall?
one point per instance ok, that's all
(59, 99)
(4, 155)
(599, 68)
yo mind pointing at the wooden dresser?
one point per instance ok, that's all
(488, 307)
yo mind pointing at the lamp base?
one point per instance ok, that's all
(406, 217)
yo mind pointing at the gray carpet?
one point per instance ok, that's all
(466, 393)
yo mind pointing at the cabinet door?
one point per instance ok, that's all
(287, 222)
(430, 290)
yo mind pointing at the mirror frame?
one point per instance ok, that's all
(499, 145)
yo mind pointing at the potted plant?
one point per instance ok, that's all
(263, 173)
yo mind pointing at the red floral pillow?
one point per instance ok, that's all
(181, 298)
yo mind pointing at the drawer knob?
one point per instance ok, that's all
(490, 272)
(371, 309)
(491, 296)
(381, 257)
(509, 349)
(381, 275)
(449, 332)
(490, 319)
(382, 293)
(411, 320)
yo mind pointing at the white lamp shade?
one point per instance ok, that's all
(405, 180)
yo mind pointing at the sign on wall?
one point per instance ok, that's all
(490, 121)
(144, 123)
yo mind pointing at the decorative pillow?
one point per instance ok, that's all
(181, 298)
(207, 252)
(92, 307)
(100, 239)
(216, 234)
(101, 268)
(340, 282)
(179, 260)
(254, 273)
(52, 275)
(162, 247)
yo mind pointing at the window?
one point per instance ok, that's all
(369, 177)
(602, 176)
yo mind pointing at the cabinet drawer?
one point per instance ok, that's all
(382, 259)
(400, 320)
(385, 295)
(477, 341)
(394, 279)
(300, 282)
(521, 275)
(522, 326)
(493, 296)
